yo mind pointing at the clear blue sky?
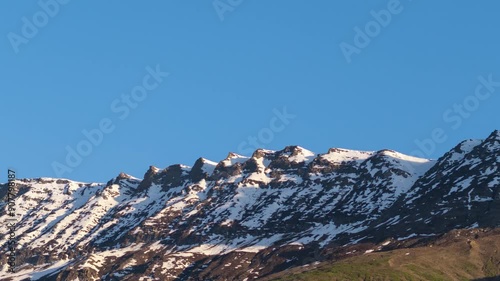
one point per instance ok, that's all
(227, 76)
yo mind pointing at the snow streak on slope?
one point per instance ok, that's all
(53, 209)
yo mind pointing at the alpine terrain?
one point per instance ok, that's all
(271, 215)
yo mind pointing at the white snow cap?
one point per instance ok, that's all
(233, 158)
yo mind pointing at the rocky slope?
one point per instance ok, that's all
(246, 218)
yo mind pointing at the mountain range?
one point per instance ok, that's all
(250, 217)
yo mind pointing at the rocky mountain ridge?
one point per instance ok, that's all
(245, 218)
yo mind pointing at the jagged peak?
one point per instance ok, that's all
(151, 173)
(203, 163)
(459, 151)
(234, 158)
(153, 169)
(295, 150)
(495, 135)
(262, 153)
(123, 175)
(231, 155)
(176, 167)
(202, 167)
(206, 161)
(297, 154)
(290, 149)
(492, 143)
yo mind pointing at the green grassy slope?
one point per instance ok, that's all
(457, 258)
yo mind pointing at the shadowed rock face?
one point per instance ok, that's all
(247, 217)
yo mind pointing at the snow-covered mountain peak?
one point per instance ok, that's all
(297, 154)
(154, 170)
(415, 166)
(124, 176)
(495, 135)
(234, 158)
(208, 166)
(202, 168)
(266, 153)
(341, 155)
(492, 143)
(208, 162)
(401, 156)
(458, 152)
